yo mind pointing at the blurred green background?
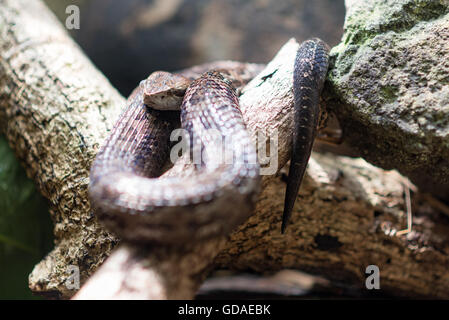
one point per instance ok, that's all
(25, 227)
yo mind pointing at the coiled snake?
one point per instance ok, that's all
(130, 198)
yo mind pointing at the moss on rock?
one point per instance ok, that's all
(388, 85)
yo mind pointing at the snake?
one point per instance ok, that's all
(132, 197)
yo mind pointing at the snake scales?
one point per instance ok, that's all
(126, 190)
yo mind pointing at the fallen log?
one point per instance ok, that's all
(56, 109)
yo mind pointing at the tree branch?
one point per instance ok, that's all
(56, 109)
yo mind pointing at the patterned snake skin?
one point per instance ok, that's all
(130, 198)
(311, 65)
(138, 207)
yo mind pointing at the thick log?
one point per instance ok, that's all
(56, 108)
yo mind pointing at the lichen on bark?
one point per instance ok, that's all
(56, 109)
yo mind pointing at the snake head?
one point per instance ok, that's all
(164, 90)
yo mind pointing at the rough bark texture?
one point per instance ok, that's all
(55, 109)
(389, 86)
(158, 273)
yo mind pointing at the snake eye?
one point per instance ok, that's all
(179, 93)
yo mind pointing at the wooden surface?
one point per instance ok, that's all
(55, 110)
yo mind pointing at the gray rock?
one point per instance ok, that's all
(389, 86)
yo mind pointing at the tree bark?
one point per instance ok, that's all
(56, 109)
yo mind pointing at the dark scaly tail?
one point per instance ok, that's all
(311, 64)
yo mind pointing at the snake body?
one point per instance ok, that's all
(130, 198)
(132, 202)
(311, 65)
